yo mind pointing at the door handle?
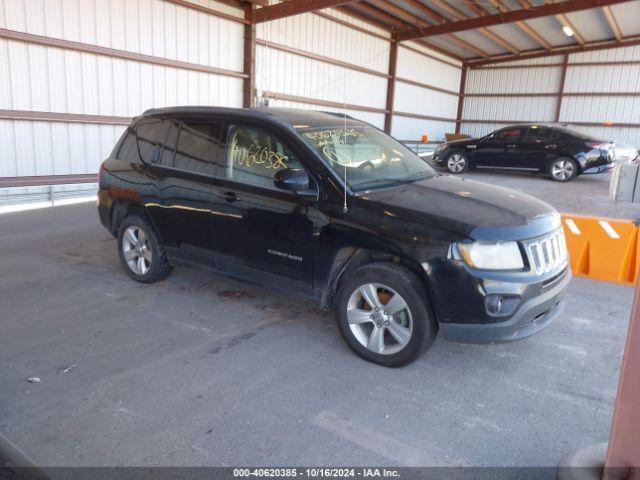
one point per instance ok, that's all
(229, 196)
(551, 146)
(512, 146)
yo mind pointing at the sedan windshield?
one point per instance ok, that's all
(365, 157)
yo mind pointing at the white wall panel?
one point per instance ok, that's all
(310, 33)
(48, 148)
(539, 109)
(433, 53)
(480, 129)
(412, 99)
(575, 109)
(516, 80)
(603, 78)
(413, 66)
(405, 128)
(376, 119)
(601, 109)
(282, 72)
(51, 79)
(40, 78)
(631, 53)
(151, 27)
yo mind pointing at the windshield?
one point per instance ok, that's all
(366, 157)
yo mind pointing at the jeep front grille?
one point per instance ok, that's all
(547, 253)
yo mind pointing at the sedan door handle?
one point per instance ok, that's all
(229, 196)
(512, 146)
(550, 146)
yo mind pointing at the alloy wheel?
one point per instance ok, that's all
(136, 250)
(562, 169)
(456, 163)
(379, 318)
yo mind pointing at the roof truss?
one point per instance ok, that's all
(506, 17)
(293, 7)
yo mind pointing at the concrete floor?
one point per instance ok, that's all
(204, 370)
(587, 194)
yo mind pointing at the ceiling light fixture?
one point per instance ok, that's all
(567, 31)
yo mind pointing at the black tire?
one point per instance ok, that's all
(158, 265)
(457, 162)
(410, 287)
(563, 169)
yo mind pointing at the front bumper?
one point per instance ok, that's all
(462, 311)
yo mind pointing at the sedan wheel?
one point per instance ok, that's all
(136, 250)
(456, 163)
(379, 318)
(563, 170)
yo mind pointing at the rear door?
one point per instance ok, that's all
(500, 149)
(264, 231)
(185, 172)
(535, 146)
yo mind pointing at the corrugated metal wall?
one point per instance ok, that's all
(419, 100)
(618, 78)
(47, 79)
(65, 80)
(289, 73)
(589, 111)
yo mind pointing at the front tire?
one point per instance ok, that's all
(563, 169)
(141, 252)
(383, 314)
(457, 162)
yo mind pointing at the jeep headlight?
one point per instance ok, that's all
(492, 256)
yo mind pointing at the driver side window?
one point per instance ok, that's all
(254, 156)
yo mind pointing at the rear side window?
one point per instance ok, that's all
(150, 135)
(169, 150)
(255, 155)
(129, 148)
(561, 136)
(199, 148)
(509, 135)
(534, 134)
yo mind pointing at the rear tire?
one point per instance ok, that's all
(563, 169)
(457, 162)
(141, 252)
(383, 314)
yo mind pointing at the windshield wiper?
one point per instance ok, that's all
(387, 182)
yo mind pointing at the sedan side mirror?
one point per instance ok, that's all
(293, 179)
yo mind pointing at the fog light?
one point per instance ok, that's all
(494, 304)
(498, 305)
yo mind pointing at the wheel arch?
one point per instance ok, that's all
(463, 152)
(350, 259)
(121, 209)
(577, 161)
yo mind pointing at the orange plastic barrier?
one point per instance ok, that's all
(602, 248)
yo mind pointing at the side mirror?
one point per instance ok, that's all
(292, 179)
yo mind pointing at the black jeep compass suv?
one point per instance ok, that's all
(330, 208)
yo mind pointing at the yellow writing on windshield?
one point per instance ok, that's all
(333, 143)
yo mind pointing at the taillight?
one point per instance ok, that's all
(101, 171)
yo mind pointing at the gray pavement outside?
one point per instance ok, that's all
(205, 370)
(585, 195)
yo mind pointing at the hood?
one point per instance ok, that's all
(461, 143)
(472, 209)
